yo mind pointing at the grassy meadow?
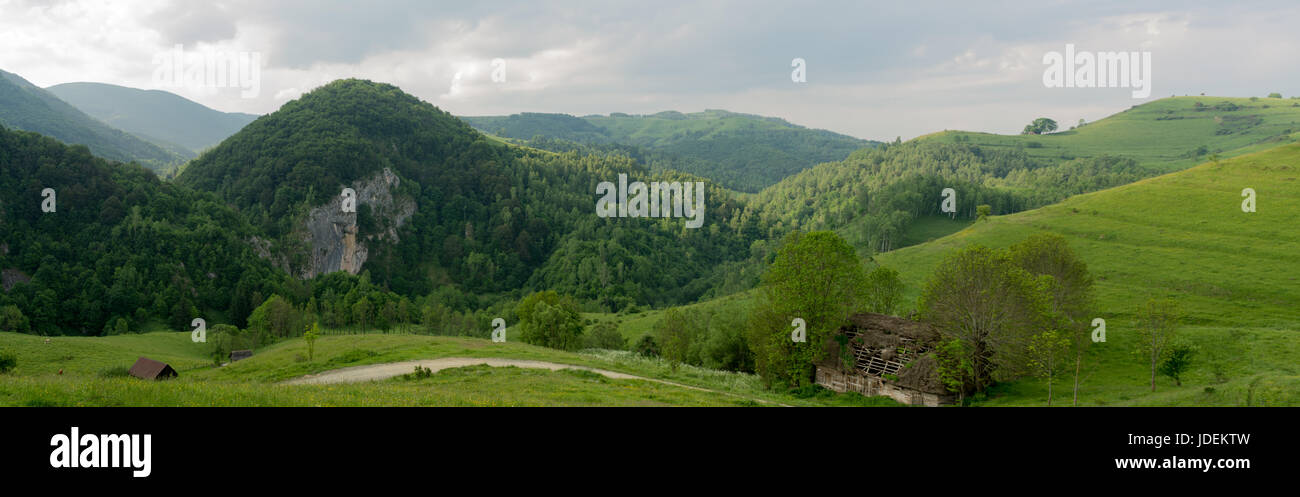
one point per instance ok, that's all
(93, 374)
(1163, 135)
(1181, 236)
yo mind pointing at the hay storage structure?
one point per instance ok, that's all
(877, 354)
(149, 369)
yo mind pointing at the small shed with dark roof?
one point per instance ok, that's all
(149, 369)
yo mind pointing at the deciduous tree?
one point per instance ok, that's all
(816, 277)
(1157, 325)
(979, 297)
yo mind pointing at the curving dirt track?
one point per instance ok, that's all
(371, 372)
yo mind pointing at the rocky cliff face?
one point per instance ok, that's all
(331, 236)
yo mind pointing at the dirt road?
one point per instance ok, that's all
(372, 372)
(388, 370)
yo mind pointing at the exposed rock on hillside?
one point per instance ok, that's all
(332, 239)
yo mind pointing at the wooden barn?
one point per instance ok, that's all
(149, 369)
(877, 354)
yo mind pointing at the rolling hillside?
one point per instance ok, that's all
(91, 371)
(1182, 236)
(1164, 135)
(886, 198)
(25, 106)
(164, 118)
(742, 152)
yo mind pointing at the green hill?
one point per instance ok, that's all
(161, 117)
(1185, 237)
(742, 152)
(888, 197)
(120, 245)
(458, 210)
(27, 107)
(1169, 134)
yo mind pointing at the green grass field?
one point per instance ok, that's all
(92, 375)
(633, 326)
(1163, 135)
(1182, 236)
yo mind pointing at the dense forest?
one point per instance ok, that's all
(876, 194)
(741, 152)
(489, 218)
(120, 248)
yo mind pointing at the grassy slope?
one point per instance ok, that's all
(253, 381)
(633, 326)
(1182, 236)
(1160, 134)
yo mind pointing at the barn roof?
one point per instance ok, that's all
(880, 324)
(150, 369)
(881, 345)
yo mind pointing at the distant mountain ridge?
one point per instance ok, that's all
(159, 116)
(28, 107)
(744, 152)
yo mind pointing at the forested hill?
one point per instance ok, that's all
(164, 118)
(743, 152)
(26, 106)
(889, 197)
(117, 249)
(877, 196)
(482, 217)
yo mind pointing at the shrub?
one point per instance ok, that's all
(604, 336)
(726, 346)
(8, 361)
(647, 346)
(419, 373)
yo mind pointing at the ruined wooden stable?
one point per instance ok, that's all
(884, 355)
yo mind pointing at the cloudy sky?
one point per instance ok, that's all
(874, 70)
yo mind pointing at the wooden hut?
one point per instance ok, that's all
(149, 369)
(884, 355)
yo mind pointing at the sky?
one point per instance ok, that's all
(874, 70)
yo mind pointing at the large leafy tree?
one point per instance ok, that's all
(550, 320)
(979, 297)
(276, 317)
(884, 293)
(1071, 296)
(815, 277)
(1040, 126)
